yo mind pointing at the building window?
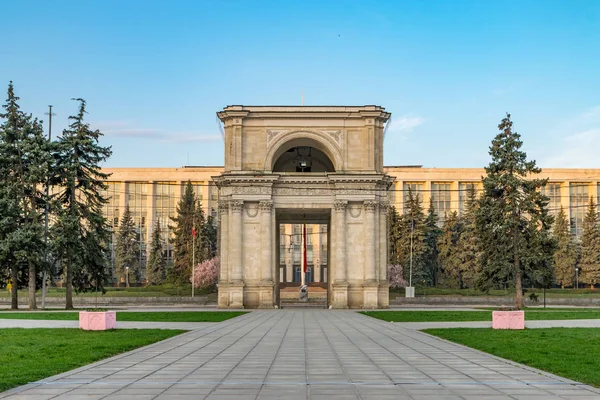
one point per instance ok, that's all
(417, 191)
(296, 254)
(197, 187)
(552, 190)
(137, 199)
(463, 195)
(112, 214)
(440, 195)
(164, 210)
(579, 198)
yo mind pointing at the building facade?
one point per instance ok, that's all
(286, 167)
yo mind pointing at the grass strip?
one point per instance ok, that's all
(144, 316)
(28, 355)
(459, 316)
(568, 352)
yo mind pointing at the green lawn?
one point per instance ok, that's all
(550, 293)
(165, 290)
(442, 316)
(28, 355)
(569, 352)
(158, 316)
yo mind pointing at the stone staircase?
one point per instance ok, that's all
(318, 303)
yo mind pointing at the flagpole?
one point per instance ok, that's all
(303, 254)
(193, 258)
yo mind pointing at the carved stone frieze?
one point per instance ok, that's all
(251, 190)
(272, 133)
(289, 191)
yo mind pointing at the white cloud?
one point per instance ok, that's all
(405, 124)
(578, 144)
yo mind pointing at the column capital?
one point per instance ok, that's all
(384, 207)
(340, 205)
(223, 206)
(370, 205)
(236, 205)
(265, 205)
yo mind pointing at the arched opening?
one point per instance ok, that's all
(303, 159)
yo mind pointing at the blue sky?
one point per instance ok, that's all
(155, 72)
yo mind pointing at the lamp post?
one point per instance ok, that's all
(127, 276)
(577, 269)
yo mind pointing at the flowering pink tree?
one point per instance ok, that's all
(395, 277)
(206, 274)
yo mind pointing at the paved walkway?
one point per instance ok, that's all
(298, 354)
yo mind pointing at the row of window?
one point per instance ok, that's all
(579, 195)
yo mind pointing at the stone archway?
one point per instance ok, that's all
(261, 183)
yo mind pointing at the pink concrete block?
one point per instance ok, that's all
(97, 320)
(508, 319)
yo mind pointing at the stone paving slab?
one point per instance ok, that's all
(304, 354)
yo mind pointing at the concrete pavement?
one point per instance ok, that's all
(304, 354)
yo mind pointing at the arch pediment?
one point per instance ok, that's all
(325, 141)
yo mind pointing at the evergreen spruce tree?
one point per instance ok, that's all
(25, 165)
(209, 239)
(467, 247)
(509, 215)
(413, 220)
(157, 264)
(432, 233)
(590, 247)
(81, 233)
(452, 271)
(565, 257)
(395, 239)
(189, 218)
(127, 249)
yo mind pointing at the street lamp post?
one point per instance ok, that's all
(577, 277)
(127, 276)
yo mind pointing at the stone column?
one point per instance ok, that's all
(223, 296)
(340, 284)
(384, 286)
(266, 281)
(236, 255)
(370, 284)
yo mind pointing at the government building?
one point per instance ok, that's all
(319, 167)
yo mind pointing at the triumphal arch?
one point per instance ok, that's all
(321, 165)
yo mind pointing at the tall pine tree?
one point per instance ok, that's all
(565, 257)
(413, 225)
(127, 249)
(157, 264)
(432, 233)
(590, 247)
(26, 162)
(450, 261)
(189, 218)
(509, 213)
(467, 250)
(81, 233)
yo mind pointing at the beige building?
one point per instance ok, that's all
(267, 190)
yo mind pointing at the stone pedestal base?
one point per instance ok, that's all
(383, 295)
(340, 295)
(370, 295)
(231, 295)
